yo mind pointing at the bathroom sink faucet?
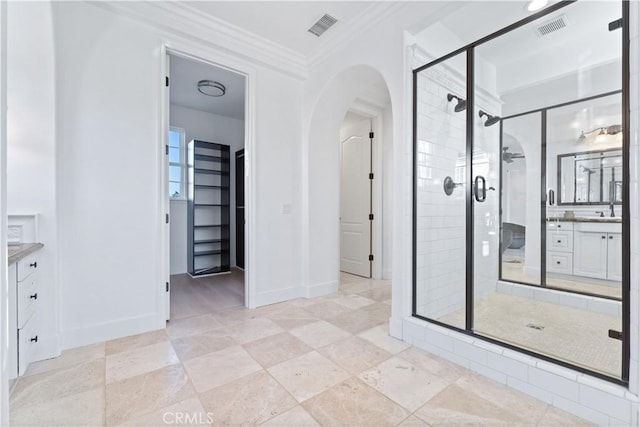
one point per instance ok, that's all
(601, 213)
(613, 213)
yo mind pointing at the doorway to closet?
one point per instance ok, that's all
(205, 188)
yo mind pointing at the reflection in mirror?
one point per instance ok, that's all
(590, 178)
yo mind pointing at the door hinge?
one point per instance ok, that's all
(371, 175)
(615, 334)
(166, 81)
(166, 286)
(371, 257)
(370, 135)
(166, 218)
(370, 217)
(614, 25)
(166, 149)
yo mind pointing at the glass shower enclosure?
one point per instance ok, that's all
(520, 199)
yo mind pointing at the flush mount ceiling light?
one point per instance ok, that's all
(211, 88)
(534, 5)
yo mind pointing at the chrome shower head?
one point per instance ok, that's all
(460, 106)
(491, 120)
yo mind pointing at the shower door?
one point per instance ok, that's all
(520, 213)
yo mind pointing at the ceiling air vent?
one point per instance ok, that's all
(322, 25)
(552, 25)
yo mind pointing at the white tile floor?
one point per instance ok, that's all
(323, 361)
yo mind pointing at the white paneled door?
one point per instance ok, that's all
(355, 201)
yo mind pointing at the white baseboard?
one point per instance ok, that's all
(280, 295)
(395, 327)
(322, 289)
(91, 334)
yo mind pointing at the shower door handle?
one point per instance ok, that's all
(480, 193)
(552, 197)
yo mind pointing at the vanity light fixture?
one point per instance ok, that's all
(211, 88)
(608, 130)
(535, 5)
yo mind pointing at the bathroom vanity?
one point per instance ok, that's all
(586, 247)
(23, 306)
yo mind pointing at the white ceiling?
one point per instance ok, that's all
(286, 22)
(185, 75)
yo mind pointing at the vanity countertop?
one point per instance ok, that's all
(17, 252)
(586, 219)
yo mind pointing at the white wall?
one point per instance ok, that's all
(4, 290)
(387, 193)
(212, 128)
(31, 148)
(110, 160)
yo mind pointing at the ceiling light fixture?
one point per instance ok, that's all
(536, 5)
(211, 88)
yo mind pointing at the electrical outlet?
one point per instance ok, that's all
(286, 209)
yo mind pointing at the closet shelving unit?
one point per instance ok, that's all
(208, 249)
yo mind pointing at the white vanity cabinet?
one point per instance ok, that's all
(598, 250)
(23, 307)
(560, 247)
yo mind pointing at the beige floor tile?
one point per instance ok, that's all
(435, 365)
(352, 403)
(135, 341)
(220, 367)
(413, 421)
(308, 375)
(272, 350)
(137, 361)
(357, 321)
(319, 334)
(252, 329)
(403, 382)
(192, 325)
(292, 316)
(296, 417)
(187, 412)
(556, 418)
(50, 385)
(247, 401)
(354, 354)
(326, 309)
(457, 407)
(68, 358)
(196, 345)
(379, 335)
(80, 409)
(146, 393)
(381, 293)
(352, 302)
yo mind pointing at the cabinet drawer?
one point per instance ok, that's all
(27, 342)
(560, 241)
(26, 266)
(557, 225)
(560, 262)
(27, 299)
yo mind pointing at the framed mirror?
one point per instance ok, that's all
(590, 177)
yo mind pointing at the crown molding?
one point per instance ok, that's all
(371, 17)
(179, 18)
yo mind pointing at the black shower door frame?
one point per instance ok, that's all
(469, 248)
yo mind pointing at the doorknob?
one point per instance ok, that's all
(480, 193)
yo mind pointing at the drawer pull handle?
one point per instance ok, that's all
(604, 237)
(559, 241)
(558, 262)
(610, 237)
(34, 296)
(34, 339)
(34, 264)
